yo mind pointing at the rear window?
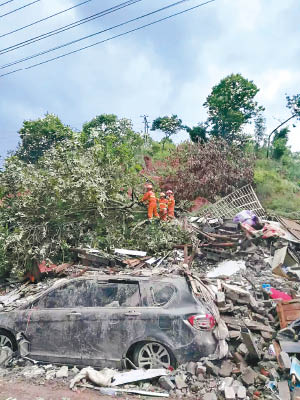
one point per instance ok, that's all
(161, 293)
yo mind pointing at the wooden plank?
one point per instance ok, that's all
(277, 349)
(288, 312)
(132, 262)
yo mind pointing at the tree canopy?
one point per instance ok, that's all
(230, 106)
(38, 136)
(198, 133)
(77, 195)
(69, 196)
(168, 125)
(115, 137)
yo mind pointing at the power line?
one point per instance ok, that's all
(111, 38)
(91, 35)
(69, 26)
(20, 8)
(12, 72)
(43, 19)
(6, 2)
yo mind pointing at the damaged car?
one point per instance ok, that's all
(113, 321)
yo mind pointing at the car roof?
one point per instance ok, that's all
(153, 278)
(118, 277)
(102, 277)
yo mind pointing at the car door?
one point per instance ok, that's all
(52, 324)
(111, 324)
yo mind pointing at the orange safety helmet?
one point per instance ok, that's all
(162, 194)
(148, 186)
(169, 192)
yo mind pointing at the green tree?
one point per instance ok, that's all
(73, 196)
(168, 125)
(280, 143)
(230, 106)
(98, 127)
(198, 133)
(40, 135)
(114, 136)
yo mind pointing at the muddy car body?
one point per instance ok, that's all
(103, 320)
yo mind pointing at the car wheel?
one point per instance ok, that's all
(152, 355)
(7, 339)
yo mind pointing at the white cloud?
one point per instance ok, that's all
(244, 15)
(272, 81)
(169, 68)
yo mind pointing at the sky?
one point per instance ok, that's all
(167, 68)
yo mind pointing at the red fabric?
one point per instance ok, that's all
(277, 294)
(250, 231)
(270, 230)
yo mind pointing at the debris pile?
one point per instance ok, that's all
(251, 269)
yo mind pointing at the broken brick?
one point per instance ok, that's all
(248, 376)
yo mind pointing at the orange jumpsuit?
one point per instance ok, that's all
(163, 208)
(152, 206)
(171, 207)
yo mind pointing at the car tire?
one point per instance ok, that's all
(152, 355)
(7, 339)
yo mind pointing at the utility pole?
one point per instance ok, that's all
(146, 127)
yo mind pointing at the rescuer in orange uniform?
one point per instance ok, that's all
(171, 204)
(163, 207)
(150, 197)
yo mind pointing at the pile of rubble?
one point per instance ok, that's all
(252, 272)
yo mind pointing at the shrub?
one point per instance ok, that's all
(210, 169)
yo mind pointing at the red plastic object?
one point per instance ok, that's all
(277, 294)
